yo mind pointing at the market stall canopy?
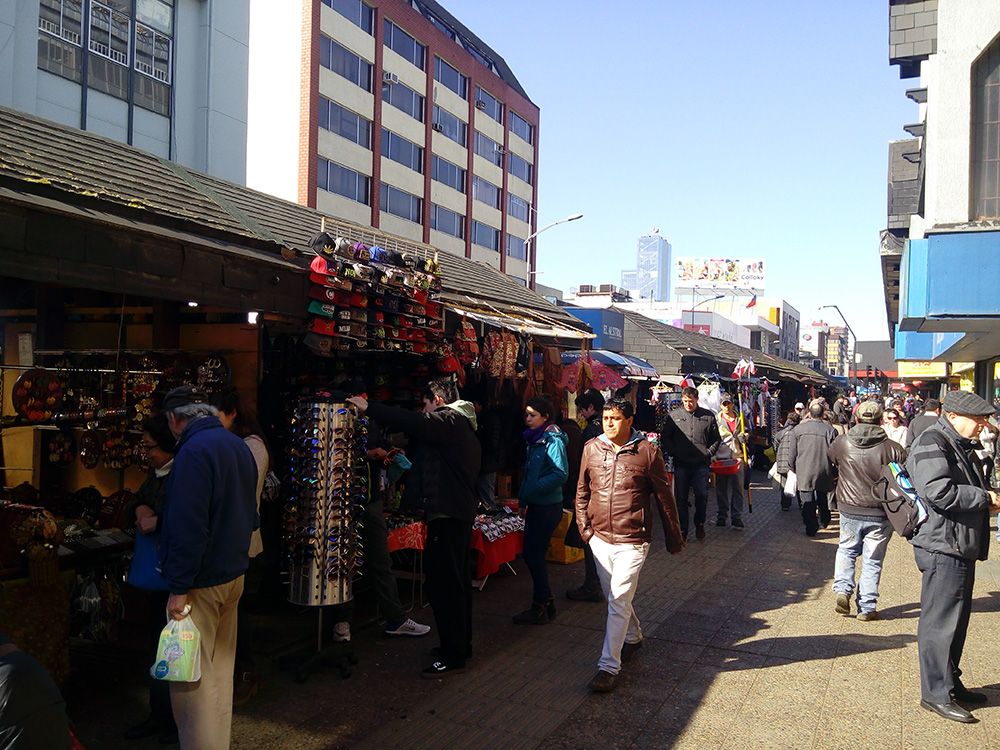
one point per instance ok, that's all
(250, 243)
(676, 351)
(629, 366)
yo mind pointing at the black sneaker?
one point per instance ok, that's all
(699, 530)
(440, 669)
(737, 523)
(536, 614)
(629, 650)
(722, 522)
(585, 594)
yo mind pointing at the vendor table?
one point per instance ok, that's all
(490, 557)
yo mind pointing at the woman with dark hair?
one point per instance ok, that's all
(159, 446)
(540, 494)
(240, 420)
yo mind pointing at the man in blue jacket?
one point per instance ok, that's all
(208, 516)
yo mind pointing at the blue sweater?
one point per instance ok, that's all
(546, 469)
(210, 510)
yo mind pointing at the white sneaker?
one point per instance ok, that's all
(342, 632)
(408, 627)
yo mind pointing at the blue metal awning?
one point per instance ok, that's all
(627, 365)
(948, 301)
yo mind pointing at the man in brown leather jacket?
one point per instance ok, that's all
(860, 456)
(619, 473)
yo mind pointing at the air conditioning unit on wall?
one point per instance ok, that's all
(438, 127)
(388, 77)
(480, 104)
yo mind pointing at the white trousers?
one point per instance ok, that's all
(618, 567)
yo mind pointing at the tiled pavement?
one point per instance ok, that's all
(742, 649)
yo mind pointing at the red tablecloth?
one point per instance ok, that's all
(411, 536)
(494, 554)
(491, 555)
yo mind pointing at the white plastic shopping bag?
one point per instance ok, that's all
(791, 484)
(178, 657)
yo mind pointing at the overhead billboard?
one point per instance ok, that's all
(719, 273)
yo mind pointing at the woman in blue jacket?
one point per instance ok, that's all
(540, 494)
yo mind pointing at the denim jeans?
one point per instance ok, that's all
(618, 566)
(539, 524)
(868, 538)
(729, 494)
(689, 477)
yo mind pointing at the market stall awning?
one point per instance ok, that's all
(526, 322)
(627, 365)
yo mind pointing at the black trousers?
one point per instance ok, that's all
(813, 501)
(449, 586)
(945, 606)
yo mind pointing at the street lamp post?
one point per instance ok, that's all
(850, 364)
(531, 248)
(707, 299)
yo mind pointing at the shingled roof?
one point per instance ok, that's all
(725, 353)
(40, 156)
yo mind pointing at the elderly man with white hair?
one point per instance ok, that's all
(208, 516)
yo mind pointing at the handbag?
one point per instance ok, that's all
(791, 484)
(143, 573)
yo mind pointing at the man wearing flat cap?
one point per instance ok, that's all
(949, 478)
(208, 516)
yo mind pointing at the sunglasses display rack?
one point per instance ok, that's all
(328, 480)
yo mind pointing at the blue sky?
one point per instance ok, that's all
(739, 129)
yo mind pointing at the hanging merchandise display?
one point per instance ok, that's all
(328, 479)
(368, 298)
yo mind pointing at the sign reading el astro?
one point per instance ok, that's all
(720, 273)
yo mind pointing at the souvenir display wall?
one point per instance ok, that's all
(368, 298)
(328, 483)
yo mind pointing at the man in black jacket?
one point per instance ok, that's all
(930, 414)
(860, 455)
(949, 479)
(589, 406)
(446, 463)
(691, 437)
(809, 458)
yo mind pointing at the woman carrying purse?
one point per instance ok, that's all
(158, 445)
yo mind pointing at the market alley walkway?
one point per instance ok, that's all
(743, 649)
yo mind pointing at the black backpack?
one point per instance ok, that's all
(903, 507)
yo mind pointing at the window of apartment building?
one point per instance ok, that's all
(518, 207)
(60, 38)
(447, 173)
(447, 221)
(986, 134)
(400, 203)
(489, 104)
(344, 123)
(450, 77)
(400, 150)
(404, 45)
(343, 181)
(451, 126)
(345, 63)
(489, 149)
(519, 167)
(108, 42)
(486, 236)
(402, 97)
(486, 192)
(516, 248)
(354, 11)
(521, 127)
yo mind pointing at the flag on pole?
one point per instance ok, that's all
(752, 302)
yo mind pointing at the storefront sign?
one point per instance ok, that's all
(921, 369)
(608, 325)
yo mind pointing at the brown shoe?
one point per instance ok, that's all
(868, 616)
(603, 682)
(629, 650)
(699, 530)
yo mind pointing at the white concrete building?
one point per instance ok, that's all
(167, 76)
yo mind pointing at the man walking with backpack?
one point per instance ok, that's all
(859, 457)
(949, 479)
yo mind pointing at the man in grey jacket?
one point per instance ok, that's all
(809, 459)
(949, 478)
